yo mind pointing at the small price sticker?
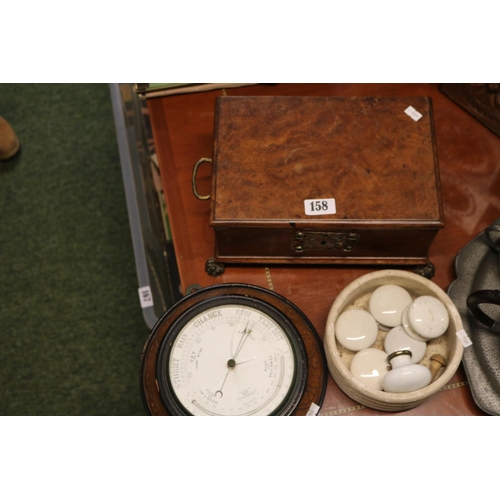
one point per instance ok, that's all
(413, 113)
(313, 410)
(145, 296)
(320, 207)
(464, 338)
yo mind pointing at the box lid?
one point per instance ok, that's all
(376, 161)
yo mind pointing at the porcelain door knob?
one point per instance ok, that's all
(355, 329)
(387, 304)
(405, 376)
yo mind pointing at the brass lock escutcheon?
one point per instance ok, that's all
(303, 241)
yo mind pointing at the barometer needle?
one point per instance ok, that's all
(258, 356)
(223, 382)
(245, 335)
(241, 339)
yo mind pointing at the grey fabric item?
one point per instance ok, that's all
(477, 267)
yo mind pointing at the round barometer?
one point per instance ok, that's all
(236, 350)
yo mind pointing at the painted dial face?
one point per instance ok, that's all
(232, 359)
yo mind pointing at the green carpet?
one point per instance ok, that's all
(71, 327)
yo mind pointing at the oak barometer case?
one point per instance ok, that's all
(236, 350)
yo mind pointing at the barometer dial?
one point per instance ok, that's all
(230, 350)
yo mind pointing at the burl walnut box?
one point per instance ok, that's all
(322, 180)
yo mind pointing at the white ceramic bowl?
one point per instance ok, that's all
(357, 295)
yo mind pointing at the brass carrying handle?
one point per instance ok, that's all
(195, 171)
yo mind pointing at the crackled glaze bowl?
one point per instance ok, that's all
(357, 296)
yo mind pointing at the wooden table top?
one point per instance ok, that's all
(469, 160)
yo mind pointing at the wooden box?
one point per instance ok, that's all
(319, 180)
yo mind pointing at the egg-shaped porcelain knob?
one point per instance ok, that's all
(387, 304)
(397, 340)
(355, 329)
(370, 366)
(428, 317)
(405, 376)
